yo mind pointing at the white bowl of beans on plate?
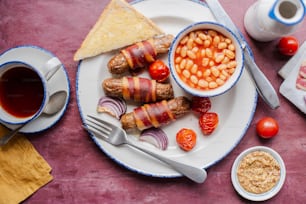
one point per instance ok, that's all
(206, 59)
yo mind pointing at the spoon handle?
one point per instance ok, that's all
(6, 138)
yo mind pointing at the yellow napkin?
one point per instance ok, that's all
(22, 170)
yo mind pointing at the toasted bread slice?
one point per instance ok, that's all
(118, 26)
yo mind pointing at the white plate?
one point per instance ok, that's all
(37, 57)
(263, 196)
(235, 108)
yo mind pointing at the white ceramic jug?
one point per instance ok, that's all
(268, 20)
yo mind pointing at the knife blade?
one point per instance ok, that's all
(263, 85)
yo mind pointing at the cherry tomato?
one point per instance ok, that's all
(208, 122)
(267, 127)
(288, 45)
(200, 104)
(186, 139)
(159, 71)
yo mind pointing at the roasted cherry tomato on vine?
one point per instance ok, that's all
(208, 122)
(200, 104)
(159, 71)
(267, 127)
(186, 139)
(288, 45)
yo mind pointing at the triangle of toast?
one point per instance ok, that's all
(119, 25)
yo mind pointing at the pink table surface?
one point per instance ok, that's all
(84, 174)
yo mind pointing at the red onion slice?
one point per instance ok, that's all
(156, 137)
(112, 105)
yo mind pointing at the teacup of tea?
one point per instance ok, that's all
(24, 90)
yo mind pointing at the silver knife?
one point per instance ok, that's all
(263, 86)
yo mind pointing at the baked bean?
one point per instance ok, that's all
(199, 74)
(222, 66)
(189, 64)
(191, 54)
(207, 72)
(219, 81)
(205, 59)
(212, 33)
(216, 40)
(212, 85)
(203, 53)
(194, 68)
(186, 73)
(194, 79)
(183, 51)
(207, 43)
(190, 43)
(231, 70)
(222, 45)
(183, 63)
(209, 79)
(225, 60)
(205, 62)
(178, 60)
(223, 77)
(199, 41)
(215, 71)
(232, 64)
(202, 83)
(219, 58)
(230, 54)
(202, 36)
(195, 49)
(211, 63)
(184, 40)
(208, 52)
(231, 47)
(228, 41)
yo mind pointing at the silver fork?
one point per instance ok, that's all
(117, 136)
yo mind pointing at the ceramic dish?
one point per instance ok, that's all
(262, 196)
(172, 16)
(228, 83)
(58, 82)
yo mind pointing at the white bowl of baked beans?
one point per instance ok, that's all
(206, 59)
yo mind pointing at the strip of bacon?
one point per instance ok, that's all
(140, 54)
(138, 89)
(153, 115)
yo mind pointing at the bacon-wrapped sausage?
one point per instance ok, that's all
(155, 114)
(139, 54)
(137, 89)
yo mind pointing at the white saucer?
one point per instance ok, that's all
(37, 57)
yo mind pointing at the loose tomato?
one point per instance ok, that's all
(200, 104)
(208, 122)
(267, 127)
(186, 139)
(288, 45)
(159, 71)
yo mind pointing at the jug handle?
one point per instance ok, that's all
(302, 5)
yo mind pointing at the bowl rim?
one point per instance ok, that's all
(222, 89)
(266, 195)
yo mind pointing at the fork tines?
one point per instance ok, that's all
(98, 126)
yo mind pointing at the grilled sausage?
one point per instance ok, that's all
(137, 89)
(139, 54)
(156, 114)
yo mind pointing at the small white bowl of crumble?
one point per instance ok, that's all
(258, 173)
